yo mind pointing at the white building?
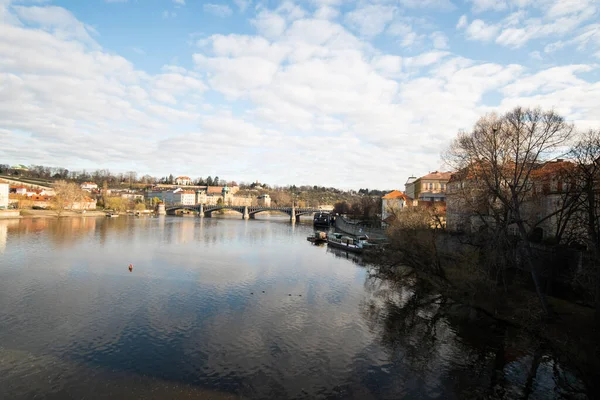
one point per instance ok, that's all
(264, 200)
(20, 190)
(177, 196)
(3, 196)
(183, 180)
(409, 187)
(185, 197)
(89, 186)
(132, 196)
(393, 203)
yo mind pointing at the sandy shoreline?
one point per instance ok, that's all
(49, 214)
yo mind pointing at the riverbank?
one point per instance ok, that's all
(16, 214)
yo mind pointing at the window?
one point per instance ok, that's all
(431, 186)
(443, 185)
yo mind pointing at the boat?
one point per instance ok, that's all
(112, 215)
(355, 245)
(322, 219)
(318, 237)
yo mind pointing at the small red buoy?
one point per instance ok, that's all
(130, 267)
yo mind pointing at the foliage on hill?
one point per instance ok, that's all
(303, 196)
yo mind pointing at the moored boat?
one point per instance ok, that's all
(318, 237)
(112, 215)
(355, 245)
(322, 219)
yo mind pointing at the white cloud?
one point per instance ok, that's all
(462, 22)
(443, 5)
(439, 40)
(180, 2)
(242, 4)
(489, 5)
(536, 55)
(220, 10)
(479, 30)
(326, 12)
(370, 20)
(407, 37)
(559, 18)
(69, 113)
(57, 20)
(168, 14)
(549, 80)
(586, 39)
(269, 24)
(299, 80)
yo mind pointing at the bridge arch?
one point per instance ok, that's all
(174, 209)
(252, 213)
(210, 209)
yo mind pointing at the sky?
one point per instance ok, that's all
(343, 93)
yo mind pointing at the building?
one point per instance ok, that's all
(132, 196)
(184, 197)
(409, 188)
(393, 203)
(159, 194)
(89, 186)
(183, 180)
(3, 196)
(470, 207)
(431, 187)
(218, 190)
(19, 190)
(203, 198)
(264, 200)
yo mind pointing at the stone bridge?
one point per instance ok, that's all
(246, 211)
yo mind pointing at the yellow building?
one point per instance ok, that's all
(431, 187)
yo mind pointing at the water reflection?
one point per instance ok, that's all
(223, 307)
(453, 351)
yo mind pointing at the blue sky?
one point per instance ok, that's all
(356, 93)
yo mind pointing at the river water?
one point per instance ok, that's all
(221, 308)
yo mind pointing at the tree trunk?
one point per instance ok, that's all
(535, 363)
(535, 276)
(597, 316)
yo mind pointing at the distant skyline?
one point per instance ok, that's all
(347, 94)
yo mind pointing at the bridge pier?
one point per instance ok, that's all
(201, 211)
(246, 215)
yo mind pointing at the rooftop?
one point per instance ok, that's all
(445, 176)
(395, 194)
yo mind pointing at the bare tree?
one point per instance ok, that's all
(586, 156)
(66, 195)
(500, 154)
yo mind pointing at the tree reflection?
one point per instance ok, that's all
(443, 349)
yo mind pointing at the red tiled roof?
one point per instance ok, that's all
(214, 189)
(395, 194)
(40, 198)
(183, 177)
(438, 175)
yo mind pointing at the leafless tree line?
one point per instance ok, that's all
(511, 180)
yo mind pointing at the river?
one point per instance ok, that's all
(223, 308)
